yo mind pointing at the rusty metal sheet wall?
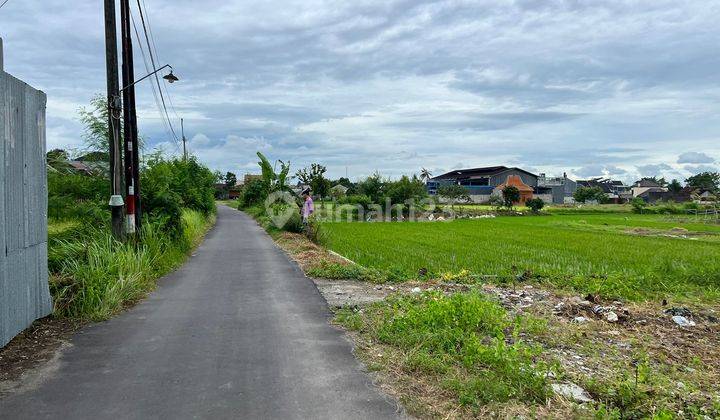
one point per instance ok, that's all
(24, 292)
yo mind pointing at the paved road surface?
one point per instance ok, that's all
(237, 332)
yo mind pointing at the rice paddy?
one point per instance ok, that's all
(622, 255)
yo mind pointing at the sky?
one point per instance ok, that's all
(614, 88)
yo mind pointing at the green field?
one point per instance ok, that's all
(618, 255)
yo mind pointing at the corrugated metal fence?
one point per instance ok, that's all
(24, 293)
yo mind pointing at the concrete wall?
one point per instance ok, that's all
(24, 292)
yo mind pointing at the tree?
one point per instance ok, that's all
(274, 181)
(230, 179)
(314, 176)
(510, 195)
(585, 194)
(406, 191)
(95, 120)
(535, 204)
(345, 182)
(453, 193)
(255, 192)
(425, 175)
(57, 159)
(675, 186)
(373, 187)
(705, 181)
(655, 179)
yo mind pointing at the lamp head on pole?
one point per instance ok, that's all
(171, 78)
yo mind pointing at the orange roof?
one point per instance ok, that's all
(516, 181)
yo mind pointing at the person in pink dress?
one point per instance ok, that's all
(308, 206)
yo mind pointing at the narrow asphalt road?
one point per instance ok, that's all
(237, 332)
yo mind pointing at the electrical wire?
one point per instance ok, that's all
(3, 3)
(152, 61)
(154, 45)
(163, 115)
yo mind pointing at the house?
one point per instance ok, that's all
(647, 186)
(90, 164)
(482, 183)
(526, 191)
(615, 190)
(561, 188)
(704, 196)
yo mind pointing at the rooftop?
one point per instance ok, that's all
(477, 172)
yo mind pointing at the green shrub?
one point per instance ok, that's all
(638, 205)
(76, 196)
(254, 193)
(535, 204)
(294, 223)
(168, 186)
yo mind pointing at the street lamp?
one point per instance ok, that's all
(170, 77)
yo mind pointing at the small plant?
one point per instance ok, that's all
(496, 201)
(585, 194)
(638, 205)
(535, 204)
(453, 193)
(510, 195)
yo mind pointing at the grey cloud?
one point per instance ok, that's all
(590, 171)
(696, 169)
(695, 157)
(532, 83)
(653, 169)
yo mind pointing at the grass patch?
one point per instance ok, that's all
(588, 253)
(95, 276)
(466, 343)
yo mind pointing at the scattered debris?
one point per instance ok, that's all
(684, 312)
(572, 391)
(416, 290)
(682, 321)
(580, 319)
(611, 317)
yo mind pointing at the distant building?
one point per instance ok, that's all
(646, 188)
(482, 183)
(615, 190)
(562, 188)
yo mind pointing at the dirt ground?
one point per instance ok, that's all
(33, 348)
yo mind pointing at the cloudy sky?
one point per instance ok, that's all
(618, 88)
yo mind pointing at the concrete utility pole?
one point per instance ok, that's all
(114, 105)
(182, 128)
(132, 181)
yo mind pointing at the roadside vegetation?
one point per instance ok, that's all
(466, 343)
(93, 274)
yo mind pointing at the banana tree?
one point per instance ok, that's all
(275, 181)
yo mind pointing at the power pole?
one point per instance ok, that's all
(113, 103)
(132, 184)
(182, 127)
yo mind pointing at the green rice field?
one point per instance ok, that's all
(618, 255)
